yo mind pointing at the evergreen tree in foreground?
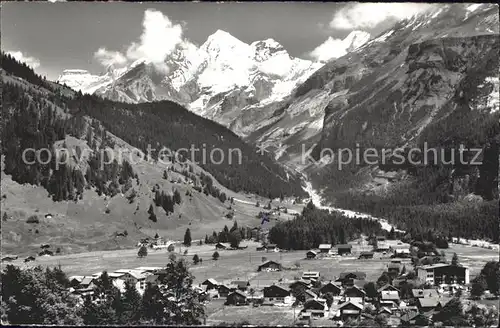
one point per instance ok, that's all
(187, 237)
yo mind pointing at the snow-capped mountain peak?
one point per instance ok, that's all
(356, 39)
(217, 80)
(267, 48)
(222, 40)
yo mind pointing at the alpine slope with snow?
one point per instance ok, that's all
(218, 80)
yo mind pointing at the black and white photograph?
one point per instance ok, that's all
(250, 164)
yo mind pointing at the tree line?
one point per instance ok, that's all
(30, 121)
(315, 226)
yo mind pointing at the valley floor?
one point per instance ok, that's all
(242, 264)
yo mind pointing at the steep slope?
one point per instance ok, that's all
(428, 79)
(348, 87)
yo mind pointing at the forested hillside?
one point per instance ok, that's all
(165, 123)
(317, 226)
(36, 116)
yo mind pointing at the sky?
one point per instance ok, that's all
(52, 37)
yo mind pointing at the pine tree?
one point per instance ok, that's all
(215, 256)
(234, 227)
(152, 215)
(454, 260)
(177, 197)
(131, 301)
(196, 259)
(187, 237)
(143, 251)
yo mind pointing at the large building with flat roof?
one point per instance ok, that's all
(443, 273)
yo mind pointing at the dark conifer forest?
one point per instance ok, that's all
(317, 226)
(38, 116)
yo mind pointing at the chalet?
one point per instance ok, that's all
(442, 273)
(48, 216)
(241, 285)
(310, 295)
(310, 275)
(211, 284)
(402, 253)
(350, 309)
(330, 287)
(270, 266)
(347, 278)
(29, 259)
(344, 249)
(45, 252)
(134, 277)
(236, 298)
(276, 293)
(324, 248)
(87, 282)
(311, 254)
(224, 290)
(317, 307)
(366, 255)
(385, 310)
(354, 293)
(387, 287)
(222, 246)
(272, 248)
(414, 318)
(389, 298)
(304, 283)
(427, 304)
(393, 269)
(381, 238)
(84, 293)
(261, 248)
(74, 281)
(382, 247)
(353, 274)
(9, 258)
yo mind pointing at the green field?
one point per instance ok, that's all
(242, 264)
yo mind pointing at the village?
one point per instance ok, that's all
(330, 285)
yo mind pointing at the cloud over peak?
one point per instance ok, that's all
(335, 48)
(107, 57)
(159, 39)
(369, 15)
(28, 60)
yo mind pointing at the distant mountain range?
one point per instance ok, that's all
(218, 80)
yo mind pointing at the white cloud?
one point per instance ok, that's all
(335, 48)
(107, 57)
(368, 15)
(30, 61)
(331, 48)
(159, 38)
